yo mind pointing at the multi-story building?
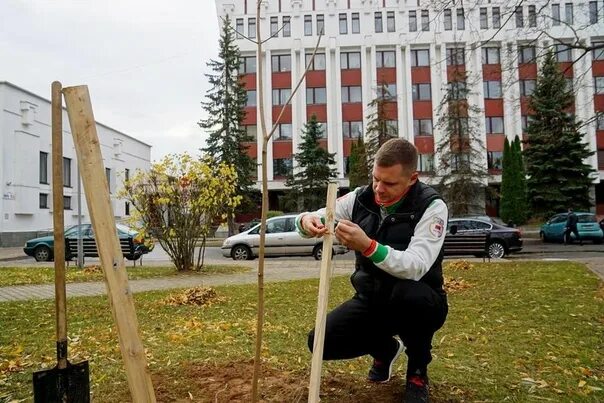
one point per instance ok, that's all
(26, 166)
(415, 49)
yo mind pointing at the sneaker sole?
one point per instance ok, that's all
(398, 353)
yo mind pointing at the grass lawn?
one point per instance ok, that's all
(519, 331)
(40, 275)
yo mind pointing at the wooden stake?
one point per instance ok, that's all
(90, 161)
(317, 351)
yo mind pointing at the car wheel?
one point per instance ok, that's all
(597, 241)
(241, 252)
(496, 250)
(42, 254)
(318, 252)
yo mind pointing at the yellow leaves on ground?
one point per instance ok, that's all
(200, 296)
(460, 265)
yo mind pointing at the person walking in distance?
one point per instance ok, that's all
(396, 226)
(571, 227)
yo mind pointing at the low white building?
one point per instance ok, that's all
(26, 166)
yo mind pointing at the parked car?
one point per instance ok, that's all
(248, 225)
(503, 240)
(587, 225)
(42, 248)
(282, 239)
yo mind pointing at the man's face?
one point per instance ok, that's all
(390, 183)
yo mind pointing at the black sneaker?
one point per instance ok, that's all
(382, 370)
(417, 390)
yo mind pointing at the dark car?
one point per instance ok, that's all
(42, 249)
(503, 240)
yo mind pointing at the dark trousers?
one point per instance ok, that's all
(359, 326)
(572, 230)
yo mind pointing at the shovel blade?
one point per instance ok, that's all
(67, 385)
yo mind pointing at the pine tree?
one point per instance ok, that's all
(224, 107)
(558, 177)
(313, 162)
(506, 206)
(379, 128)
(513, 207)
(522, 206)
(358, 169)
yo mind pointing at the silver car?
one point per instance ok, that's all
(282, 239)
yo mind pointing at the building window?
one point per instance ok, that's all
(308, 25)
(43, 200)
(251, 28)
(494, 124)
(250, 99)
(556, 14)
(281, 63)
(519, 13)
(385, 58)
(448, 20)
(456, 56)
(492, 89)
(491, 56)
(322, 129)
(282, 167)
(461, 19)
(425, 162)
(126, 175)
(496, 18)
(318, 62)
(316, 96)
(526, 54)
(386, 91)
(239, 28)
(484, 18)
(390, 22)
(351, 94)
(66, 202)
(352, 130)
(350, 60)
(593, 12)
(412, 21)
(600, 121)
(251, 132)
(274, 26)
(379, 23)
(320, 24)
(420, 57)
(495, 160)
(425, 20)
(421, 92)
(43, 167)
(67, 172)
(532, 16)
(247, 65)
(525, 121)
(343, 24)
(281, 95)
(126, 208)
(563, 53)
(598, 50)
(422, 127)
(599, 85)
(287, 26)
(527, 87)
(108, 177)
(355, 23)
(283, 131)
(568, 13)
(457, 90)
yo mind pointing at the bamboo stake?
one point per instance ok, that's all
(325, 277)
(90, 161)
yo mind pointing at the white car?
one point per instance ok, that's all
(282, 239)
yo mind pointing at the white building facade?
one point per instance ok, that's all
(26, 166)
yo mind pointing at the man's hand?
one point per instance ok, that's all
(312, 225)
(352, 236)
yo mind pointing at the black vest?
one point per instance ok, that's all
(395, 231)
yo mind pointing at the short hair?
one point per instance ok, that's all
(397, 151)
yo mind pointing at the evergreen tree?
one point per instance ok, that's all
(314, 171)
(522, 206)
(558, 177)
(224, 107)
(513, 207)
(506, 205)
(358, 169)
(379, 128)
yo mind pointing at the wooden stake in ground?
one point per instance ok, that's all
(90, 162)
(317, 351)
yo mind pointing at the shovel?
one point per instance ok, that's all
(66, 382)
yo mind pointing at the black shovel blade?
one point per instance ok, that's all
(70, 384)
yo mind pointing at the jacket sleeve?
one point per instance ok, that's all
(344, 206)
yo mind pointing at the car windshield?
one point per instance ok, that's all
(73, 230)
(587, 218)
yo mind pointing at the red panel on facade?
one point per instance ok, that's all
(386, 75)
(422, 109)
(527, 71)
(347, 145)
(282, 149)
(566, 68)
(390, 110)
(491, 72)
(250, 116)
(351, 77)
(319, 110)
(282, 80)
(420, 75)
(597, 68)
(455, 72)
(323, 144)
(493, 107)
(495, 142)
(287, 114)
(249, 81)
(252, 149)
(352, 112)
(524, 106)
(599, 103)
(424, 144)
(600, 139)
(315, 79)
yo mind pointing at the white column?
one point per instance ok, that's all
(334, 103)
(407, 95)
(403, 90)
(299, 100)
(512, 120)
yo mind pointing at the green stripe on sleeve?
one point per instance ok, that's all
(380, 254)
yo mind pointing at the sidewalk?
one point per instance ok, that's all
(12, 253)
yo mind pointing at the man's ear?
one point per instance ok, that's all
(414, 177)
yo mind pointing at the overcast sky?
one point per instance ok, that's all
(143, 60)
